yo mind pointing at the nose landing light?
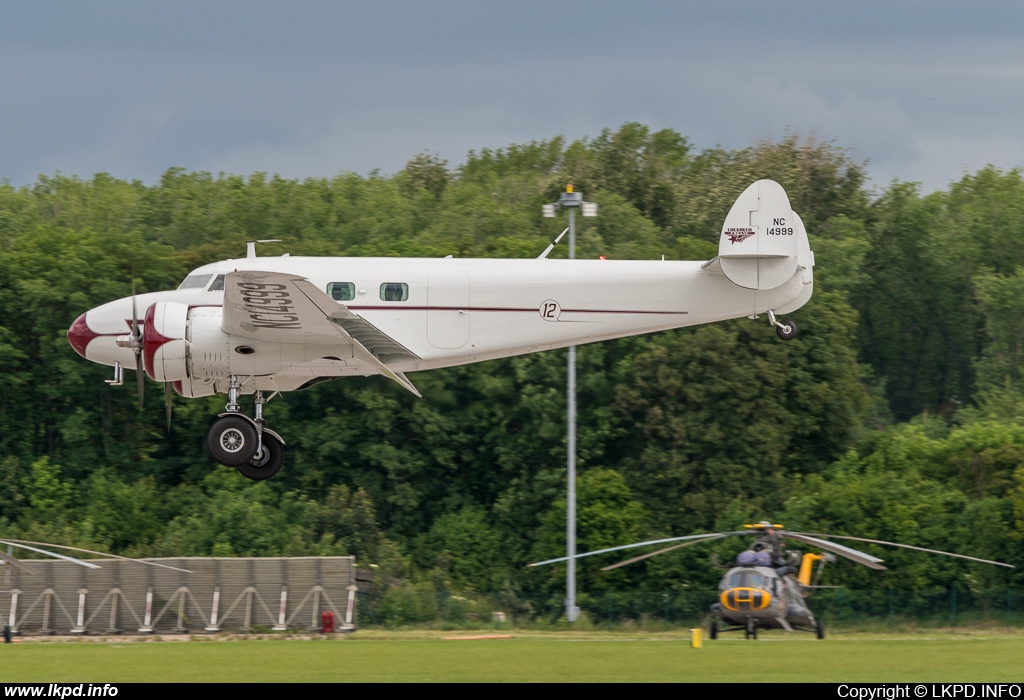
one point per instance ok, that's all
(80, 334)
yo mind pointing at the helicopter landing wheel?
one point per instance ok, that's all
(787, 330)
(232, 440)
(265, 464)
(713, 632)
(819, 629)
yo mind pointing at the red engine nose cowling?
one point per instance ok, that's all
(163, 341)
(80, 334)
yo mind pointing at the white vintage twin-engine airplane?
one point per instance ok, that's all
(264, 325)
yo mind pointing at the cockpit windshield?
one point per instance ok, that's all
(746, 579)
(196, 282)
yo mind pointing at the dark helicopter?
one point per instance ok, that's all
(767, 587)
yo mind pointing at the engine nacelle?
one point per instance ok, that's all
(188, 346)
(164, 344)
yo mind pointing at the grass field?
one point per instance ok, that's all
(424, 656)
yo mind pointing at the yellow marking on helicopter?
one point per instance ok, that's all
(762, 526)
(737, 599)
(805, 567)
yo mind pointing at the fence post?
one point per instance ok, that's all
(1009, 607)
(668, 611)
(890, 608)
(611, 607)
(952, 607)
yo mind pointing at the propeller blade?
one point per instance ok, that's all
(23, 543)
(168, 409)
(140, 383)
(19, 564)
(918, 549)
(644, 544)
(660, 551)
(140, 380)
(841, 550)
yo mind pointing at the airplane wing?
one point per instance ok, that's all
(275, 307)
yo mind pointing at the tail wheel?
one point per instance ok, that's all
(787, 330)
(713, 632)
(265, 464)
(819, 628)
(232, 440)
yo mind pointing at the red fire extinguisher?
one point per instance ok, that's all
(327, 621)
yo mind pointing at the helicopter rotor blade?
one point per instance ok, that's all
(841, 550)
(23, 544)
(644, 544)
(17, 564)
(918, 549)
(16, 543)
(661, 551)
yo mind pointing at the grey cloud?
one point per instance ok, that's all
(921, 89)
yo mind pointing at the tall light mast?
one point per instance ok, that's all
(572, 201)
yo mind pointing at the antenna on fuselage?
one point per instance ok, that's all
(551, 247)
(250, 246)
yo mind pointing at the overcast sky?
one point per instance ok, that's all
(922, 90)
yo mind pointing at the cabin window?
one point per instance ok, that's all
(394, 291)
(341, 291)
(746, 579)
(195, 282)
(218, 284)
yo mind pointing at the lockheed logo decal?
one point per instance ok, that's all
(738, 235)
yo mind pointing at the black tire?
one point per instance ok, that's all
(267, 463)
(713, 632)
(787, 330)
(819, 628)
(232, 440)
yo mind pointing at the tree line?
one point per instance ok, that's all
(897, 414)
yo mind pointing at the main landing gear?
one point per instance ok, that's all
(235, 440)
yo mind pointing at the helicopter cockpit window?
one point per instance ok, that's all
(195, 282)
(746, 579)
(218, 284)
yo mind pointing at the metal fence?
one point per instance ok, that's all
(840, 608)
(238, 594)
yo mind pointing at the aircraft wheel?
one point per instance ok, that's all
(265, 464)
(232, 440)
(713, 632)
(787, 330)
(819, 628)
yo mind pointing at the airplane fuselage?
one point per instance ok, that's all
(453, 311)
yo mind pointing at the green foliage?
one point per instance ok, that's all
(917, 317)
